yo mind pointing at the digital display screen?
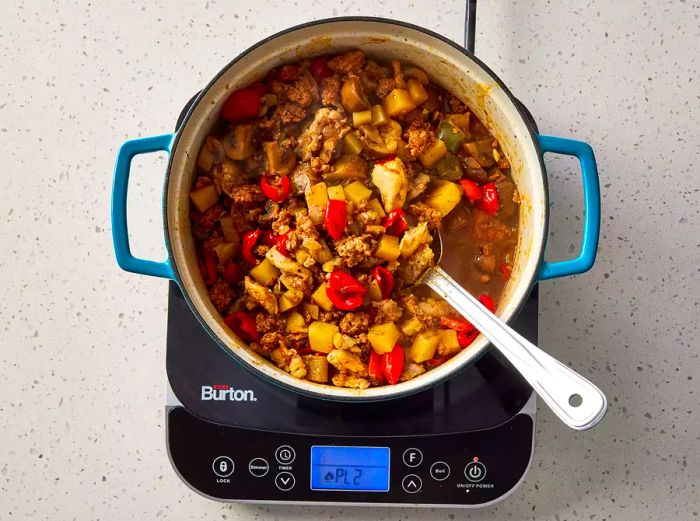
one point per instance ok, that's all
(360, 469)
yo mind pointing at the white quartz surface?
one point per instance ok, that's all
(82, 343)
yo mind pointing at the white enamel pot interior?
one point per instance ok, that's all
(448, 65)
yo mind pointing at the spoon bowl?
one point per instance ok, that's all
(575, 400)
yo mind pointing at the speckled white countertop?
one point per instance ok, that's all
(82, 343)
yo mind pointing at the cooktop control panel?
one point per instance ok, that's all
(234, 464)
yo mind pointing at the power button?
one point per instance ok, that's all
(475, 471)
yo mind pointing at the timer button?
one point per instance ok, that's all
(475, 471)
(411, 484)
(440, 471)
(285, 455)
(223, 466)
(284, 481)
(412, 457)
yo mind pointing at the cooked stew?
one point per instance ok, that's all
(313, 209)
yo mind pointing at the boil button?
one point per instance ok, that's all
(440, 470)
(475, 471)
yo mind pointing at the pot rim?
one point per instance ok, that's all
(353, 395)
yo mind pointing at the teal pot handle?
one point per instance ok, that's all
(120, 232)
(591, 207)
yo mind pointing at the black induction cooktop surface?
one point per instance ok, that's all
(214, 386)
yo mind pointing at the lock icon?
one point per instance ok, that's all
(223, 466)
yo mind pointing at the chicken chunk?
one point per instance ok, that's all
(413, 268)
(413, 238)
(344, 360)
(321, 137)
(391, 181)
(350, 381)
(261, 295)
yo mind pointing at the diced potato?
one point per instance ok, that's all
(318, 250)
(204, 198)
(398, 102)
(363, 117)
(301, 256)
(374, 292)
(336, 192)
(328, 266)
(412, 326)
(289, 299)
(265, 273)
(357, 192)
(424, 346)
(311, 310)
(375, 205)
(295, 323)
(321, 336)
(317, 195)
(444, 197)
(388, 248)
(352, 144)
(317, 369)
(433, 154)
(448, 342)
(321, 298)
(228, 230)
(417, 91)
(316, 199)
(226, 251)
(379, 117)
(414, 237)
(383, 337)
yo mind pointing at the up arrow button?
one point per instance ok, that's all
(411, 484)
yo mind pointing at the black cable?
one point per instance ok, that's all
(470, 25)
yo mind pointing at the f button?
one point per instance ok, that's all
(412, 457)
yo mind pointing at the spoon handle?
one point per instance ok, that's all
(559, 386)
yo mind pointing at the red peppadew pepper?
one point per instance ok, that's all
(208, 267)
(243, 325)
(392, 364)
(281, 244)
(487, 302)
(458, 324)
(319, 68)
(489, 202)
(385, 280)
(344, 290)
(395, 222)
(374, 366)
(275, 187)
(505, 270)
(335, 218)
(471, 189)
(242, 104)
(386, 159)
(250, 240)
(234, 273)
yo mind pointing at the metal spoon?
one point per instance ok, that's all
(575, 400)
